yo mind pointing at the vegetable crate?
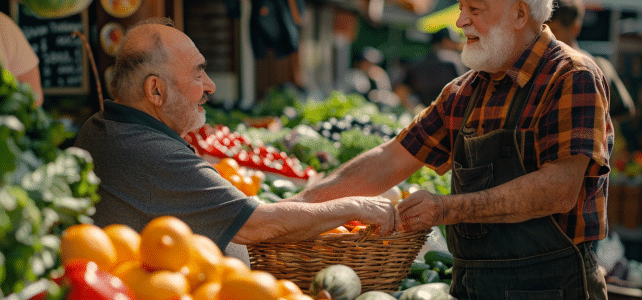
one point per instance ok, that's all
(381, 262)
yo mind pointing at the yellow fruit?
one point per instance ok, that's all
(204, 258)
(165, 244)
(251, 286)
(133, 275)
(340, 229)
(88, 241)
(126, 242)
(207, 291)
(124, 269)
(287, 288)
(227, 167)
(160, 285)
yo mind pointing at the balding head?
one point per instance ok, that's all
(144, 52)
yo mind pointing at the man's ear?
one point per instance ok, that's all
(154, 88)
(523, 15)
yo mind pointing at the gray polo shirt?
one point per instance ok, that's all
(147, 170)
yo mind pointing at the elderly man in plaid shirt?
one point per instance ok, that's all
(527, 135)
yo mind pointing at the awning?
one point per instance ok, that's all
(441, 19)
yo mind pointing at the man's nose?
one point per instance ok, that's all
(210, 86)
(463, 19)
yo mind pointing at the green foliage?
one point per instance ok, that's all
(354, 142)
(429, 180)
(43, 190)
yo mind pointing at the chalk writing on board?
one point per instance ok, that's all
(62, 59)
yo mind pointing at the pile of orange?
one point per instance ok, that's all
(247, 180)
(350, 227)
(167, 261)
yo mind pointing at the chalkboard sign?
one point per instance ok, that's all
(63, 59)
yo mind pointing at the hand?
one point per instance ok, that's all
(421, 210)
(379, 211)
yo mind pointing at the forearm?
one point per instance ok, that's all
(369, 174)
(292, 221)
(552, 189)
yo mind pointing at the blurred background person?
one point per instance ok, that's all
(566, 25)
(425, 78)
(17, 56)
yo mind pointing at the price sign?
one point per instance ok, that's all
(63, 59)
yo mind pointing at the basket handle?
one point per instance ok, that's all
(369, 230)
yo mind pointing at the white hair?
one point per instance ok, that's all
(541, 10)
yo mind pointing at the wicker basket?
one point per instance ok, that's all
(380, 262)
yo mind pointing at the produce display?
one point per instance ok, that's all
(43, 190)
(219, 142)
(118, 263)
(47, 197)
(437, 267)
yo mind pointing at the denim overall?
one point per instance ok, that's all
(533, 259)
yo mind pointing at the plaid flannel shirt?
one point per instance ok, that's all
(566, 114)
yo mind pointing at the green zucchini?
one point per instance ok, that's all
(429, 276)
(436, 255)
(407, 283)
(417, 268)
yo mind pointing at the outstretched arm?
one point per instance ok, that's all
(292, 221)
(369, 174)
(554, 188)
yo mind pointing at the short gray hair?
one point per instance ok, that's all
(134, 63)
(540, 9)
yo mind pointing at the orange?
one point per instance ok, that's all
(207, 291)
(339, 229)
(357, 228)
(165, 244)
(287, 288)
(247, 186)
(227, 267)
(88, 241)
(126, 242)
(254, 285)
(125, 269)
(236, 180)
(204, 258)
(227, 167)
(132, 274)
(161, 285)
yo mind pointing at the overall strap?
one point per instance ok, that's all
(474, 97)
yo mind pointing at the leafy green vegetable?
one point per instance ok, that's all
(43, 190)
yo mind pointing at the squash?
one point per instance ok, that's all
(436, 255)
(341, 281)
(429, 291)
(375, 295)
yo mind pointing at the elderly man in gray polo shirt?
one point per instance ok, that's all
(147, 170)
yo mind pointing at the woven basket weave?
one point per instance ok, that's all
(380, 262)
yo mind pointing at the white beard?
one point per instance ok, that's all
(491, 52)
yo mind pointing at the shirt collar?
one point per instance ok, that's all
(522, 70)
(121, 113)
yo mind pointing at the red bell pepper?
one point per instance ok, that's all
(87, 282)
